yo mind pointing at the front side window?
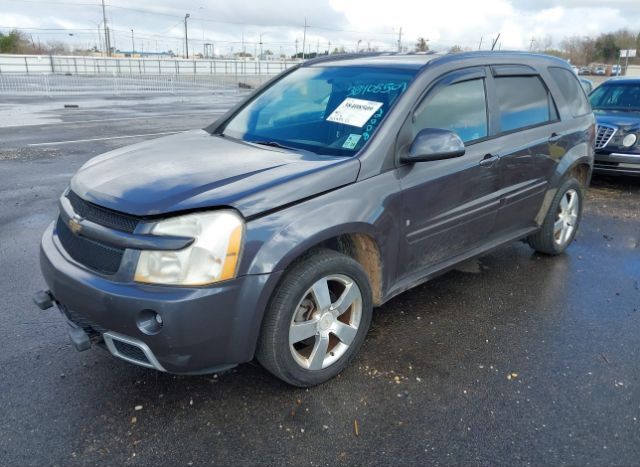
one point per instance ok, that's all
(617, 96)
(326, 110)
(459, 107)
(524, 102)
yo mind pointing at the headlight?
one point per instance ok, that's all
(629, 140)
(212, 257)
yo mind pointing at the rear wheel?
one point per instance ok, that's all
(561, 223)
(317, 319)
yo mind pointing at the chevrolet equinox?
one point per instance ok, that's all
(341, 183)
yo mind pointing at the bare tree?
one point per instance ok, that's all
(421, 45)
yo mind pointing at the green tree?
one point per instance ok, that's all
(606, 48)
(13, 43)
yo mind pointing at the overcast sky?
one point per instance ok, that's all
(158, 23)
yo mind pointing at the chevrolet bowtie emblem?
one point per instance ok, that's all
(74, 225)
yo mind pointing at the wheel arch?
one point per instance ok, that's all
(359, 241)
(577, 162)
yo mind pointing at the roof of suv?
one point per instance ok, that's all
(419, 60)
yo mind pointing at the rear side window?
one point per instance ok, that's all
(459, 107)
(571, 90)
(524, 102)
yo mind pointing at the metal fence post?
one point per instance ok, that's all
(116, 89)
(46, 85)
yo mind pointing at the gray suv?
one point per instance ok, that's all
(338, 185)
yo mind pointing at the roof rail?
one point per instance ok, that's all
(344, 56)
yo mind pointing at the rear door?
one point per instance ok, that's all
(528, 131)
(450, 205)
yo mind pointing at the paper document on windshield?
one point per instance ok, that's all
(354, 112)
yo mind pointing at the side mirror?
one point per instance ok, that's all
(434, 144)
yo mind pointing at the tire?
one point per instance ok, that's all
(561, 223)
(314, 303)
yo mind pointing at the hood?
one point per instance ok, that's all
(618, 118)
(195, 170)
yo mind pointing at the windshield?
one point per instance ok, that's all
(331, 111)
(620, 96)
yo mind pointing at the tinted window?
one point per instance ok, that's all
(571, 90)
(523, 102)
(332, 110)
(617, 96)
(460, 107)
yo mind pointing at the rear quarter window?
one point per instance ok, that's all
(571, 90)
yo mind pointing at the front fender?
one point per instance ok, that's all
(371, 207)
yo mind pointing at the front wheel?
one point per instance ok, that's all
(561, 223)
(317, 319)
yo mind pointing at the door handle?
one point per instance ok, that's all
(489, 160)
(555, 137)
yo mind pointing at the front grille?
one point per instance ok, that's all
(604, 135)
(130, 351)
(91, 253)
(102, 216)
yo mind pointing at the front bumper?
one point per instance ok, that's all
(204, 329)
(616, 163)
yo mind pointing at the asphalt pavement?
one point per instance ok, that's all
(514, 359)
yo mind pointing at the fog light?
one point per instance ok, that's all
(629, 140)
(149, 322)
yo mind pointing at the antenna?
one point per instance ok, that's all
(493, 46)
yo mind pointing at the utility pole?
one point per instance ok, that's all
(304, 37)
(329, 48)
(106, 30)
(480, 45)
(133, 45)
(186, 36)
(400, 40)
(296, 55)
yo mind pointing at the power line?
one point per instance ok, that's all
(208, 20)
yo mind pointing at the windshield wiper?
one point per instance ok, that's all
(273, 144)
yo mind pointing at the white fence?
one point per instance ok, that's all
(58, 64)
(43, 75)
(38, 85)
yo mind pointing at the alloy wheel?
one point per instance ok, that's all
(325, 322)
(566, 221)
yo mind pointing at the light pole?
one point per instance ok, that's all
(261, 46)
(186, 35)
(133, 45)
(358, 45)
